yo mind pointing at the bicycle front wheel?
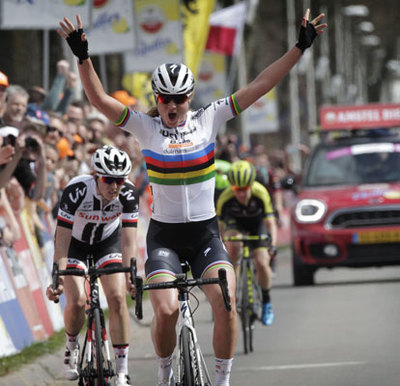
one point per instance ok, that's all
(99, 347)
(255, 300)
(187, 359)
(244, 306)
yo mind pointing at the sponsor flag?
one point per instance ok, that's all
(112, 27)
(226, 27)
(195, 21)
(159, 35)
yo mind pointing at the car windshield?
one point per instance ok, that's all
(355, 164)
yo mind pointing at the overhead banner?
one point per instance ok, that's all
(112, 27)
(196, 27)
(159, 35)
(211, 79)
(262, 116)
(41, 14)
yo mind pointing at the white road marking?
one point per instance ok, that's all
(300, 366)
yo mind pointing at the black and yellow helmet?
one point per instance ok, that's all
(242, 174)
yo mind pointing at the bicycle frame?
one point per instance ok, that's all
(98, 367)
(186, 320)
(89, 347)
(193, 364)
(248, 292)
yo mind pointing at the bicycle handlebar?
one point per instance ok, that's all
(94, 272)
(182, 281)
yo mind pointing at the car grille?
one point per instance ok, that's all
(364, 217)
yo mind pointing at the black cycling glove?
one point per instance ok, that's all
(306, 36)
(79, 48)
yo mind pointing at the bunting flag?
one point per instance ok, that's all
(226, 28)
(195, 32)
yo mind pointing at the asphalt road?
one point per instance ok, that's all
(345, 330)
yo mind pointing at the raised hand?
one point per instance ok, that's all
(309, 30)
(75, 38)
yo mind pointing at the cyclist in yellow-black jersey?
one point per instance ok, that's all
(245, 207)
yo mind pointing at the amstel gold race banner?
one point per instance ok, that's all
(159, 35)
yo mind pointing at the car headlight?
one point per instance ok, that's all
(309, 211)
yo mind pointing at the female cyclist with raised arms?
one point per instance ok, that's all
(178, 145)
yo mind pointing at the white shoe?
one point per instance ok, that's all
(122, 379)
(71, 360)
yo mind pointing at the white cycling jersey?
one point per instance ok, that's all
(82, 211)
(180, 160)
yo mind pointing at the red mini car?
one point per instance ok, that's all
(347, 211)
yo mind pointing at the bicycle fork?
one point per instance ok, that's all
(90, 335)
(186, 320)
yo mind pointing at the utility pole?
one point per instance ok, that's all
(310, 81)
(294, 93)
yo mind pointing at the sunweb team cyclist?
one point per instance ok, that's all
(245, 207)
(178, 146)
(97, 219)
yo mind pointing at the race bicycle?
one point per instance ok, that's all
(190, 366)
(95, 366)
(248, 291)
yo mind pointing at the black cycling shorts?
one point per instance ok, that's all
(256, 229)
(107, 252)
(198, 243)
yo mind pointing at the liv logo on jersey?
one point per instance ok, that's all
(78, 193)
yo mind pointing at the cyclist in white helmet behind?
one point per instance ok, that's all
(97, 219)
(178, 146)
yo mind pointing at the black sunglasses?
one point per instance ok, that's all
(178, 99)
(110, 180)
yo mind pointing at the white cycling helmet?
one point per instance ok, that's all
(110, 161)
(172, 79)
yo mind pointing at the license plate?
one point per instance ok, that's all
(377, 237)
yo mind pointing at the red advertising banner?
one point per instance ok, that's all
(32, 268)
(360, 116)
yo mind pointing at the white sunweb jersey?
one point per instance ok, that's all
(82, 211)
(180, 160)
